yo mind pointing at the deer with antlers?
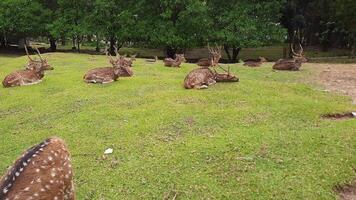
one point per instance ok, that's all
(293, 64)
(214, 58)
(33, 73)
(43, 172)
(105, 75)
(203, 77)
(169, 62)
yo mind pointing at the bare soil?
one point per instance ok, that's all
(347, 192)
(338, 78)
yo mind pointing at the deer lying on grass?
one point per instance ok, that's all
(202, 78)
(104, 75)
(169, 62)
(291, 64)
(43, 172)
(33, 73)
(255, 62)
(152, 60)
(213, 60)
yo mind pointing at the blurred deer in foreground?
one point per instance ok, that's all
(33, 74)
(169, 62)
(202, 78)
(43, 172)
(214, 58)
(109, 74)
(255, 62)
(291, 64)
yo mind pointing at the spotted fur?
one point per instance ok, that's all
(42, 172)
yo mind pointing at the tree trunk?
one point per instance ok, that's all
(170, 52)
(97, 49)
(235, 54)
(112, 46)
(53, 44)
(73, 43)
(353, 47)
(227, 50)
(63, 40)
(2, 41)
(78, 44)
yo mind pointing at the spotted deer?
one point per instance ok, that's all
(255, 62)
(43, 172)
(202, 78)
(169, 62)
(214, 58)
(33, 74)
(293, 64)
(106, 75)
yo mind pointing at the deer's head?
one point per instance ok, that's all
(180, 58)
(299, 57)
(215, 54)
(37, 65)
(225, 77)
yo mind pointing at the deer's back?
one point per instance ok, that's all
(101, 72)
(198, 77)
(42, 172)
(22, 77)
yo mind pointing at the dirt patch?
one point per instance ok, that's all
(340, 116)
(338, 77)
(346, 192)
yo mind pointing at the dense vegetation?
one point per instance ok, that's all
(177, 25)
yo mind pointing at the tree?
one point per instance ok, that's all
(71, 20)
(346, 14)
(242, 23)
(175, 25)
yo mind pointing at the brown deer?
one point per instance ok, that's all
(214, 58)
(255, 62)
(293, 64)
(42, 172)
(202, 78)
(106, 75)
(169, 62)
(33, 73)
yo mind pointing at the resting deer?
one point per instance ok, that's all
(106, 75)
(152, 60)
(291, 64)
(255, 62)
(169, 62)
(202, 78)
(33, 73)
(213, 60)
(43, 172)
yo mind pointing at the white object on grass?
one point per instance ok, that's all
(109, 151)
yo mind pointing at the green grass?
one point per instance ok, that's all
(262, 138)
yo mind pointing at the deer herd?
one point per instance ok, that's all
(121, 66)
(45, 170)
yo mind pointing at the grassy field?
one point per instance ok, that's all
(262, 138)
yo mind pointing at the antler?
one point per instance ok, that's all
(117, 52)
(39, 53)
(297, 54)
(28, 55)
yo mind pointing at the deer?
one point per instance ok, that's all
(293, 64)
(152, 60)
(213, 60)
(169, 62)
(42, 172)
(104, 75)
(255, 62)
(33, 74)
(203, 77)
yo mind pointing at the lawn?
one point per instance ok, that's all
(262, 138)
